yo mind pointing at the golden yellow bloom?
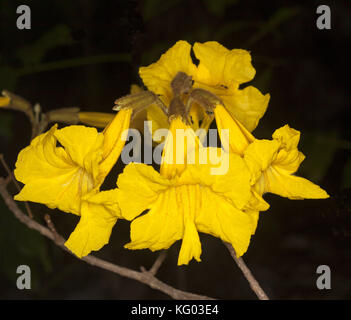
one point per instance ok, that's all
(158, 76)
(272, 164)
(59, 176)
(220, 71)
(184, 199)
(68, 177)
(210, 190)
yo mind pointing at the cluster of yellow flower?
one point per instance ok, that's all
(182, 199)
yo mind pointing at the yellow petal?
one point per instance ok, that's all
(247, 106)
(49, 174)
(188, 199)
(180, 141)
(115, 131)
(278, 181)
(288, 137)
(220, 66)
(253, 208)
(157, 77)
(289, 160)
(222, 219)
(42, 149)
(158, 120)
(98, 216)
(191, 245)
(254, 215)
(259, 155)
(160, 227)
(115, 135)
(144, 183)
(171, 218)
(199, 119)
(256, 202)
(289, 157)
(237, 138)
(231, 178)
(83, 144)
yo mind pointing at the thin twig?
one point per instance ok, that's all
(158, 262)
(144, 277)
(12, 177)
(255, 286)
(7, 180)
(51, 226)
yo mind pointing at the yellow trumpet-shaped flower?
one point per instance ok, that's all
(220, 71)
(68, 177)
(158, 76)
(187, 198)
(272, 164)
(58, 176)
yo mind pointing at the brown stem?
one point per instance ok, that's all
(255, 286)
(158, 262)
(145, 277)
(12, 178)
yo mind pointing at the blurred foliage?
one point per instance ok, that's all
(6, 121)
(320, 149)
(282, 15)
(21, 245)
(35, 52)
(154, 8)
(219, 7)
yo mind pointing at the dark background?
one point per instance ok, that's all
(87, 54)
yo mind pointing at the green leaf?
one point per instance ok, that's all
(154, 8)
(320, 148)
(6, 120)
(21, 245)
(232, 27)
(35, 52)
(75, 62)
(8, 78)
(280, 16)
(218, 7)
